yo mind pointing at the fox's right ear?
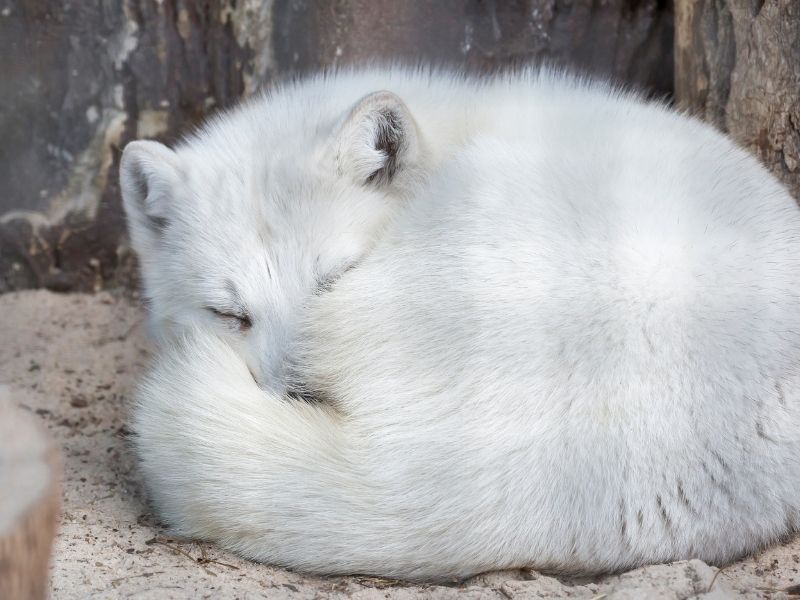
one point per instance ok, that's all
(149, 175)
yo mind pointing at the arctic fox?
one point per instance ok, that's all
(545, 324)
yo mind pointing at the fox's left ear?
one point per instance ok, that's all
(150, 175)
(378, 143)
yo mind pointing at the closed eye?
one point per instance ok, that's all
(241, 321)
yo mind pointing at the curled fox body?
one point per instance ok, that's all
(546, 324)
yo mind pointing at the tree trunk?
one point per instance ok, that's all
(29, 504)
(629, 40)
(737, 64)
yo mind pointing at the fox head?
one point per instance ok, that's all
(238, 226)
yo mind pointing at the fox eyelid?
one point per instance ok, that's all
(245, 322)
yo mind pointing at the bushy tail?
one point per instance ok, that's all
(273, 479)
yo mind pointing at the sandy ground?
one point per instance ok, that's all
(73, 360)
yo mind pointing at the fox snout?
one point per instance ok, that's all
(265, 356)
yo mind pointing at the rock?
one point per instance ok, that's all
(29, 502)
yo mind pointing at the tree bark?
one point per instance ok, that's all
(29, 504)
(737, 65)
(628, 40)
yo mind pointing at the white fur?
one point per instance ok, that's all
(571, 340)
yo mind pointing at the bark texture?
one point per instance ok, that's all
(737, 64)
(628, 40)
(79, 79)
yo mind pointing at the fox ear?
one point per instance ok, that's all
(378, 141)
(149, 178)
